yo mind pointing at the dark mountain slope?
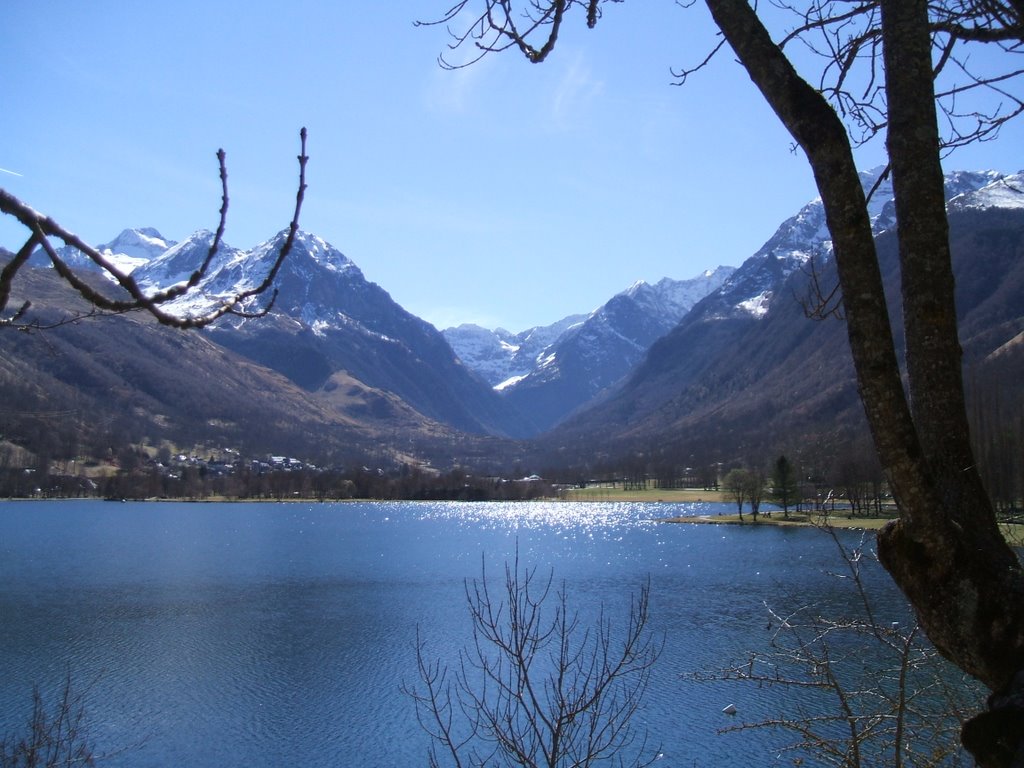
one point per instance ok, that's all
(328, 319)
(123, 379)
(745, 384)
(602, 349)
(990, 277)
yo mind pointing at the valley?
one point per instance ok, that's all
(665, 384)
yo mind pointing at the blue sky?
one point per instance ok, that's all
(505, 194)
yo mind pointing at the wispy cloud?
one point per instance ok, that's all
(457, 90)
(573, 93)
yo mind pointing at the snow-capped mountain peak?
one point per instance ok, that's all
(180, 261)
(135, 247)
(306, 280)
(549, 371)
(805, 236)
(306, 246)
(637, 287)
(322, 252)
(131, 249)
(502, 358)
(1000, 192)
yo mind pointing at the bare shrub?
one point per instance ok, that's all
(55, 737)
(537, 687)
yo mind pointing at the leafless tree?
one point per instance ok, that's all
(130, 296)
(736, 485)
(876, 692)
(55, 737)
(891, 67)
(755, 489)
(974, 99)
(536, 687)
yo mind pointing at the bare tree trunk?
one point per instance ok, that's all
(950, 560)
(945, 552)
(820, 133)
(985, 566)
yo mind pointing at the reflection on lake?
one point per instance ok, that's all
(280, 634)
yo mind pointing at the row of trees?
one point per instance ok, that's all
(848, 466)
(851, 483)
(855, 489)
(271, 484)
(854, 482)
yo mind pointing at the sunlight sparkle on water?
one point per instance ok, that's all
(565, 517)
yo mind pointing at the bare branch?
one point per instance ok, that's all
(820, 303)
(681, 75)
(533, 31)
(41, 228)
(7, 277)
(537, 687)
(887, 698)
(847, 37)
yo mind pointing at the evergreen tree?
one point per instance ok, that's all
(785, 489)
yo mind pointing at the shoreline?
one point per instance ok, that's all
(1012, 532)
(801, 520)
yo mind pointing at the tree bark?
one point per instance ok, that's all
(950, 560)
(945, 552)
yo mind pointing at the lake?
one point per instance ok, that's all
(281, 634)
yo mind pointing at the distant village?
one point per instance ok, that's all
(225, 474)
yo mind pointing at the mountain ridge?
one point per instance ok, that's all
(600, 351)
(726, 372)
(728, 376)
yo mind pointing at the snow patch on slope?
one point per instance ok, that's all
(805, 236)
(1001, 192)
(756, 305)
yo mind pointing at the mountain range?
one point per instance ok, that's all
(551, 371)
(725, 362)
(746, 371)
(334, 333)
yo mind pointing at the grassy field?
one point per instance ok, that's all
(1014, 532)
(836, 521)
(656, 494)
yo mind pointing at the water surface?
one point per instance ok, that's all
(281, 634)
